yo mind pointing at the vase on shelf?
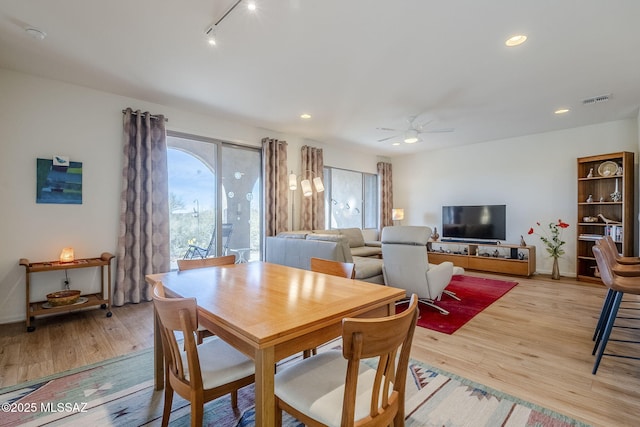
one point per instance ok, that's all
(555, 271)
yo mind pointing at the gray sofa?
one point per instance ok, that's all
(296, 248)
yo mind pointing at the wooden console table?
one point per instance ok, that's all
(37, 308)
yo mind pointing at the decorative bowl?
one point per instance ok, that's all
(65, 297)
(590, 219)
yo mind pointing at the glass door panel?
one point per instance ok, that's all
(241, 200)
(191, 167)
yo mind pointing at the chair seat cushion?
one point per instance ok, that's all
(220, 363)
(367, 267)
(315, 386)
(366, 251)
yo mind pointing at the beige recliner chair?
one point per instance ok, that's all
(406, 264)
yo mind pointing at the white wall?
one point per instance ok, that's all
(534, 175)
(40, 118)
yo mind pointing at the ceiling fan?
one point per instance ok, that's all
(412, 133)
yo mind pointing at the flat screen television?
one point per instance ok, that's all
(482, 222)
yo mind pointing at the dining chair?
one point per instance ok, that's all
(363, 384)
(199, 373)
(190, 264)
(619, 285)
(334, 268)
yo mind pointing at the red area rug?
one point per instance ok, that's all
(476, 293)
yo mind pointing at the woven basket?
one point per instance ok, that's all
(65, 297)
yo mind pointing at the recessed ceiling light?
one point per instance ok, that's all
(36, 33)
(516, 40)
(396, 143)
(251, 5)
(561, 111)
(305, 116)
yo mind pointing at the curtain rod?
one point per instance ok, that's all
(152, 115)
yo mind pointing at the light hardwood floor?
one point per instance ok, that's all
(533, 343)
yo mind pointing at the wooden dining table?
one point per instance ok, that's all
(270, 311)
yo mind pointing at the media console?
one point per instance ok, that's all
(494, 258)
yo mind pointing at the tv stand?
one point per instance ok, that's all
(486, 256)
(470, 241)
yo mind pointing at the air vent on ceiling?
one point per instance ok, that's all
(596, 99)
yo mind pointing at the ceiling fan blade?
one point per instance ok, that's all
(388, 129)
(441, 130)
(423, 125)
(388, 138)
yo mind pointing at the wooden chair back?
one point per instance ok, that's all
(334, 268)
(380, 338)
(189, 264)
(179, 314)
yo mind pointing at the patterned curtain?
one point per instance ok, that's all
(276, 191)
(143, 241)
(386, 194)
(312, 215)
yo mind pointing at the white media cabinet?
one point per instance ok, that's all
(494, 258)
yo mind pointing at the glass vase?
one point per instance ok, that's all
(555, 271)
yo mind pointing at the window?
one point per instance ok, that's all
(215, 194)
(351, 199)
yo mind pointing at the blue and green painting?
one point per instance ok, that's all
(59, 183)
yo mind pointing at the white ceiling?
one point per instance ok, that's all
(354, 65)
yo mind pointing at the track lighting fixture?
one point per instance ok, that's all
(210, 31)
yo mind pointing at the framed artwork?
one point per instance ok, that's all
(58, 180)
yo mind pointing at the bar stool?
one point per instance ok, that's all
(625, 266)
(619, 285)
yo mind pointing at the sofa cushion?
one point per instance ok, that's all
(367, 267)
(330, 231)
(366, 251)
(293, 234)
(327, 237)
(341, 243)
(354, 235)
(297, 252)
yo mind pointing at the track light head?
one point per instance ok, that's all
(210, 34)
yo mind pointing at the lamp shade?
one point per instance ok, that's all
(397, 214)
(293, 182)
(66, 255)
(317, 182)
(306, 188)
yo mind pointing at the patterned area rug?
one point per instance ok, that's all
(475, 293)
(119, 392)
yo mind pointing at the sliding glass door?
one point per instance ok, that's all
(241, 197)
(215, 195)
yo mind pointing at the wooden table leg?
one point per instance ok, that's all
(158, 357)
(391, 309)
(265, 400)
